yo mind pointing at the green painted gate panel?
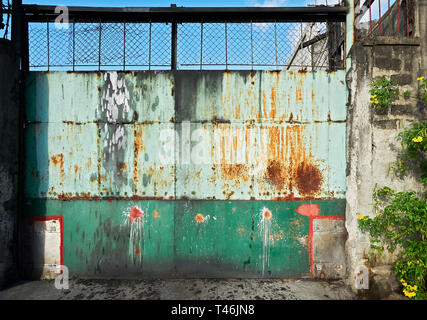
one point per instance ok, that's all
(187, 173)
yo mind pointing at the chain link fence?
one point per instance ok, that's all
(200, 46)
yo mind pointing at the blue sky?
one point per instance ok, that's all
(185, 3)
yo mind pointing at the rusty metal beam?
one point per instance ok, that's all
(37, 13)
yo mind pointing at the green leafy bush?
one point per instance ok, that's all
(383, 93)
(414, 147)
(401, 223)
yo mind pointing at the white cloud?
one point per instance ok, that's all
(268, 3)
(323, 2)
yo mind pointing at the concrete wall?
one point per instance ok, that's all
(371, 139)
(8, 159)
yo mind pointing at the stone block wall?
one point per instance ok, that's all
(372, 143)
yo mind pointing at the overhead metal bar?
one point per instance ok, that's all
(42, 13)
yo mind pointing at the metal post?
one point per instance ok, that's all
(174, 45)
(226, 53)
(275, 43)
(252, 50)
(124, 45)
(48, 45)
(99, 47)
(201, 46)
(149, 49)
(74, 44)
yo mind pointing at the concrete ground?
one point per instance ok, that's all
(189, 289)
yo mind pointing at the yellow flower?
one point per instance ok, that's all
(409, 263)
(418, 139)
(409, 294)
(420, 79)
(374, 96)
(361, 217)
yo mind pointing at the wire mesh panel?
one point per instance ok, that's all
(112, 44)
(137, 45)
(190, 45)
(239, 45)
(264, 45)
(214, 53)
(98, 45)
(37, 43)
(86, 42)
(161, 45)
(61, 46)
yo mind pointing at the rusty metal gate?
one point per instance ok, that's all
(187, 173)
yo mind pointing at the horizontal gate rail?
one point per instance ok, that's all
(38, 13)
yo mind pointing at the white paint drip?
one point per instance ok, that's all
(136, 236)
(265, 227)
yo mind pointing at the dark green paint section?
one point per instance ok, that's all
(229, 243)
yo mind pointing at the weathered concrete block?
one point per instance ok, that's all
(402, 79)
(329, 248)
(388, 64)
(398, 110)
(386, 124)
(42, 244)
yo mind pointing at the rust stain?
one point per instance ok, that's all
(299, 95)
(229, 195)
(235, 172)
(76, 169)
(123, 166)
(273, 102)
(59, 160)
(87, 196)
(156, 215)
(89, 163)
(199, 218)
(276, 173)
(308, 178)
(290, 164)
(137, 147)
(266, 213)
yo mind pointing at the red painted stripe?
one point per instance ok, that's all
(61, 224)
(310, 245)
